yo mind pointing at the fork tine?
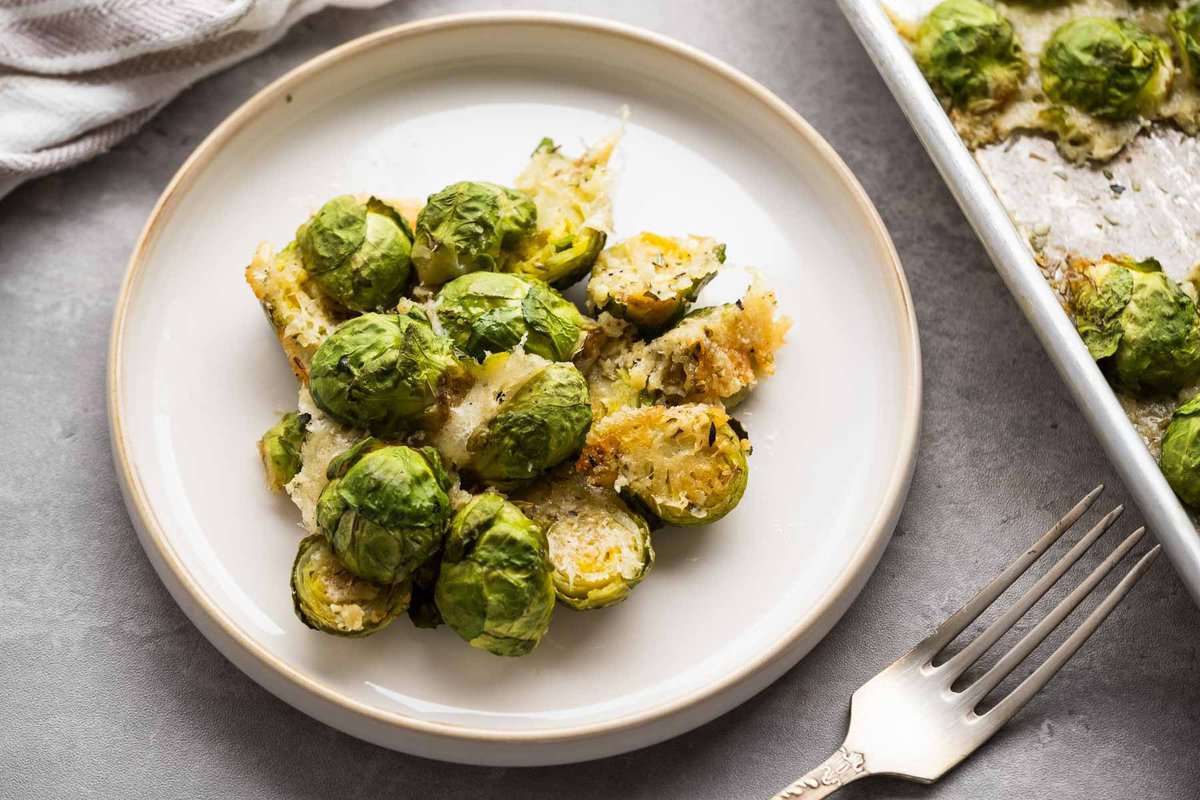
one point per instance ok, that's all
(975, 606)
(982, 643)
(1013, 703)
(1029, 642)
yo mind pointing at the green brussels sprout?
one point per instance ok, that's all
(1112, 69)
(969, 54)
(650, 280)
(328, 598)
(599, 549)
(280, 447)
(574, 214)
(1184, 25)
(522, 416)
(1137, 323)
(682, 465)
(489, 312)
(464, 227)
(387, 514)
(494, 589)
(383, 372)
(1180, 459)
(357, 252)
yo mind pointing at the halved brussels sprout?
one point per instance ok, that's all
(523, 415)
(327, 597)
(358, 252)
(1137, 322)
(969, 54)
(494, 588)
(574, 213)
(1110, 68)
(387, 515)
(464, 227)
(280, 447)
(383, 372)
(599, 548)
(713, 355)
(1180, 459)
(650, 280)
(1184, 25)
(489, 312)
(685, 465)
(611, 350)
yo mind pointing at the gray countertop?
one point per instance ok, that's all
(108, 691)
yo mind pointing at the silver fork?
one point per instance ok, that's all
(911, 720)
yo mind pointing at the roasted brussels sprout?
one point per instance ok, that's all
(464, 227)
(1112, 69)
(1180, 459)
(599, 548)
(574, 213)
(1135, 321)
(328, 598)
(489, 312)
(494, 588)
(684, 465)
(970, 55)
(713, 355)
(387, 514)
(523, 415)
(280, 447)
(383, 372)
(650, 280)
(358, 252)
(1184, 25)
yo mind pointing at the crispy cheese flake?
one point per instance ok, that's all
(571, 192)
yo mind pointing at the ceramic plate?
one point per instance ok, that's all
(196, 375)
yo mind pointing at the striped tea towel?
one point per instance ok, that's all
(78, 76)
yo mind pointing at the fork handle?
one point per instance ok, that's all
(844, 766)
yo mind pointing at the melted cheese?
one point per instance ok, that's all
(497, 378)
(325, 440)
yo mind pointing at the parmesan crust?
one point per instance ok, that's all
(300, 315)
(716, 356)
(325, 440)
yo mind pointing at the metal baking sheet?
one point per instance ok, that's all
(1020, 195)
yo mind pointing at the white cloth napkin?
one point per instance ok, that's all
(78, 76)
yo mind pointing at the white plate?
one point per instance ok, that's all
(195, 376)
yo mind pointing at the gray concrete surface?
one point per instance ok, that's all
(106, 690)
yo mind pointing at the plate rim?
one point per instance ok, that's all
(832, 603)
